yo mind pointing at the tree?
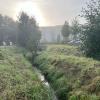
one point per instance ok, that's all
(29, 34)
(75, 29)
(91, 31)
(8, 29)
(23, 29)
(65, 31)
(58, 38)
(35, 36)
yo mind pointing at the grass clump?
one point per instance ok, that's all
(84, 97)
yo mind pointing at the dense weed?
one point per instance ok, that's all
(18, 81)
(70, 72)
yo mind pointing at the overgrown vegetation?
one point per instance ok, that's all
(8, 30)
(29, 34)
(18, 81)
(91, 30)
(24, 32)
(70, 74)
(72, 77)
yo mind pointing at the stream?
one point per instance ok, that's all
(45, 82)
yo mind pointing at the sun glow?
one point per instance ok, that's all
(32, 10)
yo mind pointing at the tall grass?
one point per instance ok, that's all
(70, 72)
(18, 81)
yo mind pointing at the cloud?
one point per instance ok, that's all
(60, 10)
(54, 11)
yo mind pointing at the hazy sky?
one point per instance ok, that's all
(47, 12)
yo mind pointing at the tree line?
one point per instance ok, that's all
(8, 29)
(89, 32)
(72, 30)
(24, 32)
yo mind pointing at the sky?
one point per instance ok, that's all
(46, 12)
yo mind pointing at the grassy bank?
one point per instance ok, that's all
(18, 81)
(64, 50)
(72, 76)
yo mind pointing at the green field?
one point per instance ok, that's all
(18, 80)
(72, 76)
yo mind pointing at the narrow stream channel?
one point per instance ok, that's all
(45, 82)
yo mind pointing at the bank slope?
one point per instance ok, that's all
(18, 81)
(72, 76)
